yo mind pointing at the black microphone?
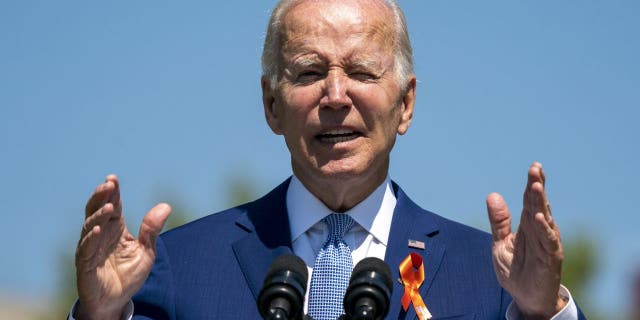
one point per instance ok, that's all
(369, 291)
(282, 293)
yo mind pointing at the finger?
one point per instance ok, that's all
(101, 195)
(535, 197)
(98, 218)
(548, 236)
(543, 200)
(88, 246)
(533, 176)
(543, 177)
(114, 197)
(537, 172)
(98, 197)
(548, 216)
(152, 224)
(540, 201)
(499, 216)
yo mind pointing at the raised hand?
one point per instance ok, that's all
(111, 264)
(528, 263)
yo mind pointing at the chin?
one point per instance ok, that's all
(344, 172)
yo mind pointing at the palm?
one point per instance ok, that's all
(528, 263)
(114, 266)
(111, 264)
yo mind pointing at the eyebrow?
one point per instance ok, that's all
(362, 62)
(306, 61)
(365, 63)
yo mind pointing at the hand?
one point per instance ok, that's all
(528, 263)
(111, 264)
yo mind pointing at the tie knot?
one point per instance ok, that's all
(339, 224)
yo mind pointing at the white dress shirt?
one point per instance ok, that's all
(367, 238)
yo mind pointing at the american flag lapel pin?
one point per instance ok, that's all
(416, 244)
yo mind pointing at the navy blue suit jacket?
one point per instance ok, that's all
(213, 268)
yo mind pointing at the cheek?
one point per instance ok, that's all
(302, 98)
(378, 109)
(298, 105)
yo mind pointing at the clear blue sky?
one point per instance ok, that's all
(166, 95)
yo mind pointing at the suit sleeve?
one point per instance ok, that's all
(156, 299)
(505, 303)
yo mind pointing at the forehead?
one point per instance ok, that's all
(335, 26)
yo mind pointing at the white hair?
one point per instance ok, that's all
(403, 53)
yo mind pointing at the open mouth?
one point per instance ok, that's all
(337, 136)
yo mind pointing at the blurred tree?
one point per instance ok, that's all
(241, 190)
(180, 214)
(635, 297)
(578, 267)
(67, 293)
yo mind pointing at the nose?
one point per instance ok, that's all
(336, 90)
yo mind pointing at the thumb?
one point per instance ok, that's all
(152, 224)
(499, 216)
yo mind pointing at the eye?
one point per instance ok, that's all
(363, 76)
(308, 76)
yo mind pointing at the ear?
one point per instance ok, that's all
(269, 104)
(408, 101)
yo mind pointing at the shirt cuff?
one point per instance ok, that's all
(127, 313)
(569, 312)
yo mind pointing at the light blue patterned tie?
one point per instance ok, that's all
(331, 270)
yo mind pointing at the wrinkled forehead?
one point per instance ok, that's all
(345, 23)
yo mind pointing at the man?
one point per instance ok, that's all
(338, 86)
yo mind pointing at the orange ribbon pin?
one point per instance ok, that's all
(412, 275)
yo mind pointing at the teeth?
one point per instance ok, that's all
(337, 139)
(338, 131)
(338, 135)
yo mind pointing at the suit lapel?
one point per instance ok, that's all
(410, 222)
(266, 222)
(267, 225)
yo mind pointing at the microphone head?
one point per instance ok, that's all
(291, 264)
(375, 265)
(369, 290)
(284, 287)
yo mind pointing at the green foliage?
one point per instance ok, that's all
(67, 292)
(579, 265)
(241, 190)
(177, 218)
(179, 210)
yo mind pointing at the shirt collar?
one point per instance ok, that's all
(373, 214)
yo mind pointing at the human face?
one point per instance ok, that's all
(338, 102)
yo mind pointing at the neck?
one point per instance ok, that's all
(342, 193)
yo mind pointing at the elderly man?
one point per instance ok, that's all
(338, 86)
